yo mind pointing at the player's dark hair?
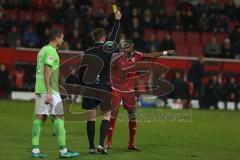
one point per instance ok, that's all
(55, 33)
(126, 44)
(98, 33)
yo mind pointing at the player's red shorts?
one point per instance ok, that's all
(128, 99)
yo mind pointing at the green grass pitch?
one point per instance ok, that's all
(211, 135)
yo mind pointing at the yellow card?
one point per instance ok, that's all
(114, 8)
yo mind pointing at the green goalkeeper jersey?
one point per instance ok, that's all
(47, 56)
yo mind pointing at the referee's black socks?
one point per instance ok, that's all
(103, 131)
(91, 133)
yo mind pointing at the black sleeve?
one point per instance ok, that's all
(115, 29)
(81, 72)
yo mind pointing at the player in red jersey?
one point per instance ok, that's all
(123, 79)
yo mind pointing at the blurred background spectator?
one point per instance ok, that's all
(152, 44)
(19, 78)
(231, 92)
(30, 38)
(204, 23)
(213, 49)
(12, 37)
(195, 78)
(180, 89)
(213, 93)
(5, 82)
(168, 43)
(1, 11)
(227, 50)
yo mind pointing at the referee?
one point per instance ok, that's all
(102, 82)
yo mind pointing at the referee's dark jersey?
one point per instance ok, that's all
(103, 79)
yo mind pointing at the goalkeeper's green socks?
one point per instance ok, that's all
(36, 130)
(60, 133)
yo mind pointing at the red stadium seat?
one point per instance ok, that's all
(170, 2)
(182, 50)
(223, 2)
(206, 37)
(169, 76)
(207, 1)
(161, 34)
(10, 12)
(24, 13)
(170, 10)
(193, 38)
(148, 33)
(197, 51)
(108, 9)
(233, 24)
(221, 37)
(59, 26)
(179, 37)
(38, 4)
(97, 5)
(39, 14)
(42, 4)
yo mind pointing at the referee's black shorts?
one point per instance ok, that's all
(91, 103)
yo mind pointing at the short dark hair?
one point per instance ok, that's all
(55, 33)
(98, 33)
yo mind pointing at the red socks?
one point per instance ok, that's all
(132, 130)
(111, 130)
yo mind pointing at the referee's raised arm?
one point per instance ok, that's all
(98, 91)
(116, 26)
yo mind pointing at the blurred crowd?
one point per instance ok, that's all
(208, 88)
(22, 78)
(78, 18)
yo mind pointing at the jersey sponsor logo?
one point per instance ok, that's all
(50, 59)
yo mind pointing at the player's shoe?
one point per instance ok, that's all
(109, 145)
(102, 150)
(39, 155)
(133, 148)
(69, 154)
(92, 151)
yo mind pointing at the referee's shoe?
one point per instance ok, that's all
(102, 150)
